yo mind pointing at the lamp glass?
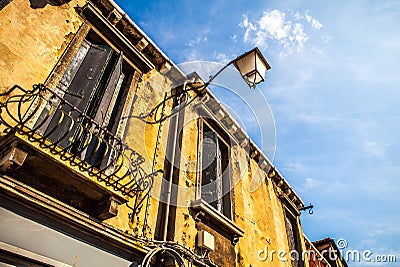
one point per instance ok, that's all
(252, 66)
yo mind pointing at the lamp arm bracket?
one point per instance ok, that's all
(309, 208)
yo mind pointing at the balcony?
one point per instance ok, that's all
(52, 146)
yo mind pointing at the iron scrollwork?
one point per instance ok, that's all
(68, 133)
(179, 98)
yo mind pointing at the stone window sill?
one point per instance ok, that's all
(205, 212)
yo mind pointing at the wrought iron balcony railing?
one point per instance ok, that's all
(47, 120)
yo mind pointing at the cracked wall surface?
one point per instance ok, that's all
(32, 42)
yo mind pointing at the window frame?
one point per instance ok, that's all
(92, 107)
(66, 59)
(104, 29)
(226, 196)
(101, 23)
(95, 23)
(204, 212)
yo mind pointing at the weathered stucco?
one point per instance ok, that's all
(257, 210)
(142, 138)
(32, 42)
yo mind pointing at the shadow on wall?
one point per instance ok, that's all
(36, 3)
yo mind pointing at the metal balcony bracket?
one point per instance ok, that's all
(107, 208)
(12, 158)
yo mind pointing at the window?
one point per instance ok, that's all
(89, 101)
(215, 170)
(294, 241)
(213, 204)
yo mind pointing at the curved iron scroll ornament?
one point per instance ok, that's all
(179, 253)
(179, 98)
(75, 138)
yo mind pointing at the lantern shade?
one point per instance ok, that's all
(252, 66)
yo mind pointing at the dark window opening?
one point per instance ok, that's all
(215, 174)
(294, 241)
(93, 88)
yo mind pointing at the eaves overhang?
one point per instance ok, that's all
(97, 19)
(138, 39)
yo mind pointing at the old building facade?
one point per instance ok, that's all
(111, 156)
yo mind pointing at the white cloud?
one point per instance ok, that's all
(198, 40)
(296, 167)
(221, 58)
(248, 26)
(374, 149)
(317, 118)
(313, 22)
(201, 37)
(369, 140)
(234, 38)
(193, 55)
(299, 37)
(274, 26)
(310, 183)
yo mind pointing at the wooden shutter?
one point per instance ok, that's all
(218, 181)
(226, 180)
(100, 148)
(62, 88)
(211, 190)
(107, 103)
(81, 91)
(209, 165)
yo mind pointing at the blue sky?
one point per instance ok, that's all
(333, 90)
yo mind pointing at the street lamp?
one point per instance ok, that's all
(251, 65)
